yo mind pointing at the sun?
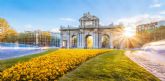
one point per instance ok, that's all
(128, 32)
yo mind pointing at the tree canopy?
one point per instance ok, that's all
(7, 34)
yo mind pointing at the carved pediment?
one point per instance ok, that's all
(88, 16)
(89, 21)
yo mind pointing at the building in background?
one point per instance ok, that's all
(55, 39)
(149, 32)
(90, 34)
(39, 38)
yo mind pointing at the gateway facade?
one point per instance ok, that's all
(89, 34)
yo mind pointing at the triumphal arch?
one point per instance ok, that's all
(89, 34)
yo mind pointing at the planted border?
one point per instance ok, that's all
(50, 66)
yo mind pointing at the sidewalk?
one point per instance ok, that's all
(154, 63)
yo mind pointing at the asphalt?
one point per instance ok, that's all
(152, 61)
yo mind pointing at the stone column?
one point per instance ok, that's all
(111, 40)
(82, 40)
(67, 41)
(99, 39)
(78, 40)
(95, 40)
(93, 36)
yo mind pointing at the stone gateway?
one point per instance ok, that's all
(90, 34)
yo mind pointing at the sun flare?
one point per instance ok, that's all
(128, 32)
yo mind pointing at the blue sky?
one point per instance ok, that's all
(51, 14)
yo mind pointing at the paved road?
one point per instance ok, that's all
(153, 63)
(151, 57)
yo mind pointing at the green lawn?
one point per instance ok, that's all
(111, 66)
(10, 62)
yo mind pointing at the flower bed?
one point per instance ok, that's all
(50, 66)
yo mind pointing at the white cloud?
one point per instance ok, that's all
(155, 5)
(162, 12)
(131, 22)
(139, 19)
(67, 19)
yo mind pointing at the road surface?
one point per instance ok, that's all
(151, 57)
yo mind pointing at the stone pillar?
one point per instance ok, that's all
(78, 40)
(93, 36)
(67, 41)
(82, 40)
(111, 40)
(95, 40)
(99, 39)
(97, 43)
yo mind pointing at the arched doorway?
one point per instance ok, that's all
(89, 41)
(105, 41)
(74, 41)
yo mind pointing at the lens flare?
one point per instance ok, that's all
(127, 38)
(128, 32)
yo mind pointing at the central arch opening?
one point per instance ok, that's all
(105, 41)
(89, 41)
